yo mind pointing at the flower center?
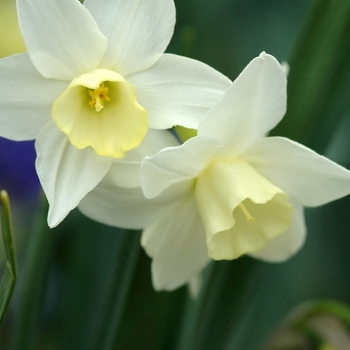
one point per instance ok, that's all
(98, 96)
(246, 212)
(241, 210)
(121, 125)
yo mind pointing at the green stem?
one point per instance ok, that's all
(213, 314)
(10, 276)
(318, 64)
(114, 303)
(192, 313)
(32, 287)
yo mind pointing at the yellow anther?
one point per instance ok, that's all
(246, 212)
(98, 96)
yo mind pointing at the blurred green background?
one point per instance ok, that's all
(87, 286)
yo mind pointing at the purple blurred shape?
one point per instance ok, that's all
(17, 169)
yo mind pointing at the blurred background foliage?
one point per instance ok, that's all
(88, 286)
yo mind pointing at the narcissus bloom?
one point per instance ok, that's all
(93, 82)
(239, 192)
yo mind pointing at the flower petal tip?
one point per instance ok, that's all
(263, 55)
(53, 223)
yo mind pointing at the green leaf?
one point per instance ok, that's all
(114, 303)
(10, 276)
(33, 283)
(209, 318)
(193, 312)
(151, 319)
(318, 78)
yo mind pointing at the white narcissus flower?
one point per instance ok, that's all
(92, 84)
(238, 192)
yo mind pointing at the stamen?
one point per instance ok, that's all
(246, 212)
(98, 96)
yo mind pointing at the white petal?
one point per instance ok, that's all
(138, 31)
(66, 173)
(178, 91)
(126, 172)
(62, 38)
(299, 171)
(177, 245)
(176, 164)
(127, 207)
(154, 141)
(25, 97)
(253, 105)
(121, 207)
(288, 243)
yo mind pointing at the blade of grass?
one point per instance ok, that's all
(10, 276)
(208, 321)
(114, 303)
(32, 287)
(319, 71)
(192, 313)
(85, 254)
(228, 282)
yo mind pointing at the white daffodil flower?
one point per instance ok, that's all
(237, 191)
(92, 84)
